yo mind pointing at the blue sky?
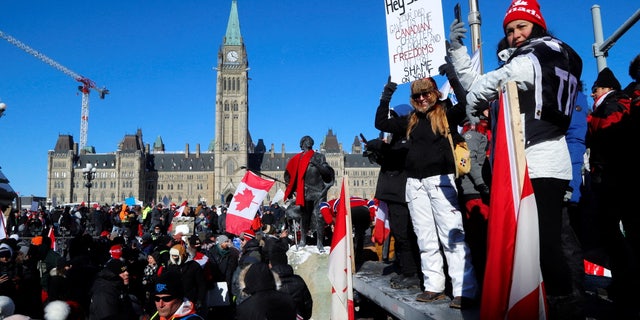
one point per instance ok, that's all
(314, 66)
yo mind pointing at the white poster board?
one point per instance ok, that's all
(416, 39)
(186, 225)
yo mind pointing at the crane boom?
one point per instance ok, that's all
(87, 84)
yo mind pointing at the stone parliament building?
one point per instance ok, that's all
(149, 173)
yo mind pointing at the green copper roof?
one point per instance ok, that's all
(233, 37)
(158, 143)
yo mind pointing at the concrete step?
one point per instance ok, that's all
(372, 280)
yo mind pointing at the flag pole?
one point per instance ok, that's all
(351, 270)
(347, 204)
(511, 97)
(263, 174)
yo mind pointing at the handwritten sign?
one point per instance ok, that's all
(415, 34)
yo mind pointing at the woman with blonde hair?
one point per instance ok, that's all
(431, 192)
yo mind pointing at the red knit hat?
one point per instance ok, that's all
(524, 10)
(116, 251)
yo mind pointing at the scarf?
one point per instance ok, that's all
(296, 168)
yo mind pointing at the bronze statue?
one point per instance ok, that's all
(308, 177)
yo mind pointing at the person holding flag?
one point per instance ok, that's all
(546, 71)
(430, 191)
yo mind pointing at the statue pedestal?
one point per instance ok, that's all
(313, 267)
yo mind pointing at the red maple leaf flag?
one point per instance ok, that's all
(52, 236)
(341, 260)
(513, 285)
(246, 201)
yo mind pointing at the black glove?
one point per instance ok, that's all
(443, 69)
(374, 151)
(388, 91)
(456, 34)
(484, 192)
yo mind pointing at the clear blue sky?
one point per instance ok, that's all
(315, 66)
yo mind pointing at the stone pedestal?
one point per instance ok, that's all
(313, 267)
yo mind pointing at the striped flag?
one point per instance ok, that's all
(341, 261)
(381, 229)
(246, 201)
(513, 285)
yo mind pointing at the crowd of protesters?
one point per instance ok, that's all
(135, 262)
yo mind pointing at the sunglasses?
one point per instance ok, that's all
(165, 298)
(417, 96)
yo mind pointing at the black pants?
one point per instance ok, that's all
(616, 203)
(406, 242)
(549, 195)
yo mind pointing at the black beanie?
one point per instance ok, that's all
(258, 278)
(116, 266)
(606, 79)
(170, 282)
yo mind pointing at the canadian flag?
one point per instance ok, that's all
(246, 201)
(52, 236)
(513, 284)
(341, 261)
(381, 229)
(180, 211)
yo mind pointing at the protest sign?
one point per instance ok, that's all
(416, 39)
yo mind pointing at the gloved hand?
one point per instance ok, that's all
(456, 34)
(448, 70)
(388, 90)
(484, 192)
(568, 194)
(471, 114)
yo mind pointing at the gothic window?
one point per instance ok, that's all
(230, 168)
(226, 106)
(235, 106)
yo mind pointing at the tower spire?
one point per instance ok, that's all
(233, 36)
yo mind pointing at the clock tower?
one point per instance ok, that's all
(232, 139)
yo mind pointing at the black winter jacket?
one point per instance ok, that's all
(295, 286)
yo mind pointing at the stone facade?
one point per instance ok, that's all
(152, 174)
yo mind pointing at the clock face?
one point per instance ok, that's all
(232, 56)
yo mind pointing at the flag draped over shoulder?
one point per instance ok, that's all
(513, 284)
(246, 202)
(340, 261)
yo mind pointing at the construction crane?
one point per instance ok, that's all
(87, 84)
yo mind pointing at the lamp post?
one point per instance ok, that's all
(89, 173)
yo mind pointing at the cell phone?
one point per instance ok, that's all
(363, 138)
(456, 12)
